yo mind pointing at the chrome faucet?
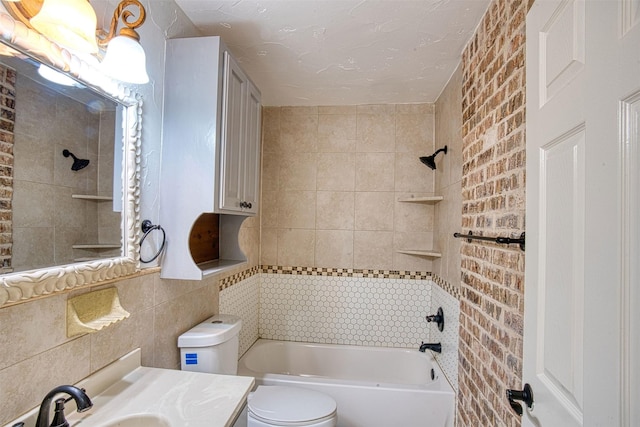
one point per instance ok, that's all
(83, 403)
(437, 347)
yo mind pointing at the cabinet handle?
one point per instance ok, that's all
(245, 205)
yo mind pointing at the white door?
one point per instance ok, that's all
(582, 327)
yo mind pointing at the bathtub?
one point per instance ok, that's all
(373, 386)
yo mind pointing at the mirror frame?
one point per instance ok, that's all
(21, 287)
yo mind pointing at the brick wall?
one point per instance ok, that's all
(493, 197)
(7, 122)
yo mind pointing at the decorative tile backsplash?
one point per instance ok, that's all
(242, 300)
(344, 306)
(446, 297)
(344, 309)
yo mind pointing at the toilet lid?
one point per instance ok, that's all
(290, 405)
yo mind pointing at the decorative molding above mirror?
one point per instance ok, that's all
(23, 286)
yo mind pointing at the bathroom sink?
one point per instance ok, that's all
(126, 394)
(141, 420)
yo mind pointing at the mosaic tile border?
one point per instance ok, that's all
(347, 272)
(237, 278)
(448, 287)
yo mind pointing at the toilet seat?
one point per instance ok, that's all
(289, 406)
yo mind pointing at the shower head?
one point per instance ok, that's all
(431, 160)
(77, 163)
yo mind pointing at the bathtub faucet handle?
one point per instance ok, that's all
(438, 318)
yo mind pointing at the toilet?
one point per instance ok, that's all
(212, 346)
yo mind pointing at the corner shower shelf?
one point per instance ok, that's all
(425, 199)
(420, 252)
(92, 197)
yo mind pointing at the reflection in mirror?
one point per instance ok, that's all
(22, 286)
(56, 191)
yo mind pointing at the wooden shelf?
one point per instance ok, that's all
(92, 197)
(420, 252)
(425, 199)
(98, 246)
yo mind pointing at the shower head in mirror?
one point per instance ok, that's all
(431, 160)
(77, 163)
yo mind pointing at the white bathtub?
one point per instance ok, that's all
(373, 386)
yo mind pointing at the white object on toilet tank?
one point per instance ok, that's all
(211, 346)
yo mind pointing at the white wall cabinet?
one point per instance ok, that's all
(239, 186)
(210, 151)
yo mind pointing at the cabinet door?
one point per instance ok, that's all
(233, 134)
(251, 151)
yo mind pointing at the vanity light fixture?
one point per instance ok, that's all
(125, 59)
(72, 25)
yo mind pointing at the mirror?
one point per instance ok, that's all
(56, 190)
(65, 222)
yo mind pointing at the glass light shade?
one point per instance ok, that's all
(56, 76)
(125, 61)
(69, 23)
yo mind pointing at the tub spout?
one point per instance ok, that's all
(437, 347)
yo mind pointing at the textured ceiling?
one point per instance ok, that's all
(342, 52)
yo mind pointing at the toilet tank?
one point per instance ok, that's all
(211, 346)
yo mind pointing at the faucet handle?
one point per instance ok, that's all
(58, 415)
(438, 318)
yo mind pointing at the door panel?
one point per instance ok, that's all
(630, 114)
(562, 47)
(630, 15)
(560, 325)
(581, 345)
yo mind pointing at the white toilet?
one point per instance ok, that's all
(212, 346)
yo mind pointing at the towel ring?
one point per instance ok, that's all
(147, 228)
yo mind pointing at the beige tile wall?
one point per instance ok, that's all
(331, 179)
(36, 355)
(448, 177)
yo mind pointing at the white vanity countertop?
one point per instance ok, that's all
(124, 390)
